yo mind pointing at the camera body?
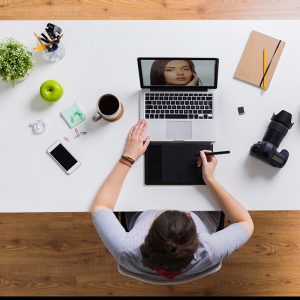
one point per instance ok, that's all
(268, 153)
(266, 150)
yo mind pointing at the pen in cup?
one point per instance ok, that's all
(214, 153)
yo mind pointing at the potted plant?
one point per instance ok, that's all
(15, 60)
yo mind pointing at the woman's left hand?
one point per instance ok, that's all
(136, 144)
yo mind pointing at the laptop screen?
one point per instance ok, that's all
(185, 73)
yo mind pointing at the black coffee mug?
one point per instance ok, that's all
(109, 108)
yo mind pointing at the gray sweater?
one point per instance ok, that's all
(125, 246)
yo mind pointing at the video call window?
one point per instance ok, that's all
(179, 72)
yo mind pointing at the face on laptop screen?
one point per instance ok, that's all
(191, 73)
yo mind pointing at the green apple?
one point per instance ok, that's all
(51, 90)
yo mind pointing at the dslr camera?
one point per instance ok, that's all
(266, 150)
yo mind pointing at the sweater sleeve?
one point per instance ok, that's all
(110, 231)
(223, 243)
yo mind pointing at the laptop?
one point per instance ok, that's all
(178, 98)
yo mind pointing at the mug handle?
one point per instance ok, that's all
(97, 117)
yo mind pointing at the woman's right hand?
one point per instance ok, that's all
(209, 164)
(194, 81)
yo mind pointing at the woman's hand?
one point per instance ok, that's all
(195, 80)
(136, 144)
(209, 164)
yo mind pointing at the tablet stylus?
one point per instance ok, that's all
(214, 153)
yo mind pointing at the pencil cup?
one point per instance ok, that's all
(54, 55)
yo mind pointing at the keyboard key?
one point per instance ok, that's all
(172, 116)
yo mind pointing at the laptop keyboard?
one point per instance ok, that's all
(160, 105)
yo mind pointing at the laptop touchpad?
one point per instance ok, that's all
(179, 130)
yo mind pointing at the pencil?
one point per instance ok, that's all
(264, 68)
(40, 47)
(38, 38)
(214, 153)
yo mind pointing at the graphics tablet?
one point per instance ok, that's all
(174, 163)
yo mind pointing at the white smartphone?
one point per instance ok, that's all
(63, 157)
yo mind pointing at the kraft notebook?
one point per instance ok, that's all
(174, 163)
(250, 68)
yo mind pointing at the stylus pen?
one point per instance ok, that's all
(214, 153)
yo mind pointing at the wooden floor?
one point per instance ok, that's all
(61, 254)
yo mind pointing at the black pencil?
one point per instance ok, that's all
(214, 153)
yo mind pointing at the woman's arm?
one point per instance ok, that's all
(233, 209)
(135, 146)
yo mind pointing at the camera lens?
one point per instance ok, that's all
(275, 133)
(278, 128)
(284, 118)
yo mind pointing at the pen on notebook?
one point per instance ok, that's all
(264, 68)
(214, 153)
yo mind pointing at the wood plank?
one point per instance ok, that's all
(148, 9)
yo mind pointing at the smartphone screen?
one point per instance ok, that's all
(64, 157)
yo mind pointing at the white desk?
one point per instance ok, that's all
(100, 58)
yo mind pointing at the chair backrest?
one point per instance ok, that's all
(128, 273)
